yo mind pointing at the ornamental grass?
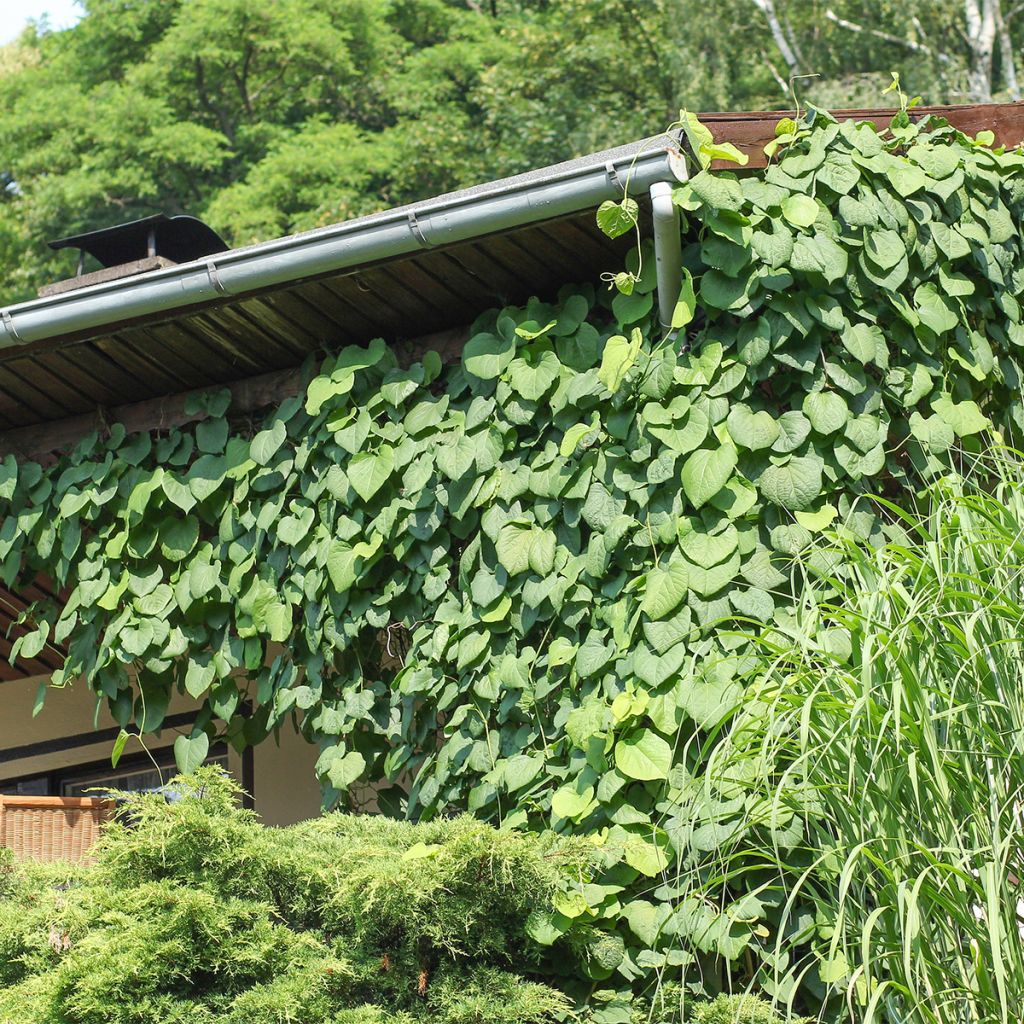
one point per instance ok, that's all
(889, 720)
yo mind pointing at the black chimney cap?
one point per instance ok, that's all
(177, 239)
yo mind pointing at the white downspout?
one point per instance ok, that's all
(668, 250)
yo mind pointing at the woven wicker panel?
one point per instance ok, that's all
(52, 828)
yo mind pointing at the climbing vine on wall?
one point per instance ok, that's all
(525, 584)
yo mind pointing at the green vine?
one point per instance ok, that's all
(525, 585)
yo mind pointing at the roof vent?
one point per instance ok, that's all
(135, 247)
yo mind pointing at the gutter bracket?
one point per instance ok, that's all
(668, 251)
(215, 278)
(417, 229)
(8, 322)
(613, 176)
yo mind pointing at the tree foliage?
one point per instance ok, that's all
(951, 50)
(277, 117)
(528, 584)
(271, 118)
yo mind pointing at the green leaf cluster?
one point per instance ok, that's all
(525, 585)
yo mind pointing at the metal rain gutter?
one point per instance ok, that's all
(533, 198)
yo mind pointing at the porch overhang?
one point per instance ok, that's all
(401, 274)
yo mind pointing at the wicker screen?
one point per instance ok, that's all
(45, 828)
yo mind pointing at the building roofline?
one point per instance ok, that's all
(544, 194)
(489, 208)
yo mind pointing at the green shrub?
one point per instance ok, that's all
(739, 1009)
(194, 912)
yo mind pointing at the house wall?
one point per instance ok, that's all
(284, 781)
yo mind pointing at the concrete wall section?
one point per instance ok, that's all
(286, 786)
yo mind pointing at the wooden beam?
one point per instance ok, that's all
(750, 130)
(43, 441)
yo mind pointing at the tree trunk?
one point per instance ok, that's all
(982, 17)
(1006, 58)
(786, 48)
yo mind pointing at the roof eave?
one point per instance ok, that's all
(500, 206)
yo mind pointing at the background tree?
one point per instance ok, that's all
(277, 117)
(948, 50)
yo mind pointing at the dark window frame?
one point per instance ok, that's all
(57, 778)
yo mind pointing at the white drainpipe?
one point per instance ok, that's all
(668, 251)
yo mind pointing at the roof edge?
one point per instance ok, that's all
(537, 196)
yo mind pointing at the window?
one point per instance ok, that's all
(146, 778)
(26, 787)
(134, 774)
